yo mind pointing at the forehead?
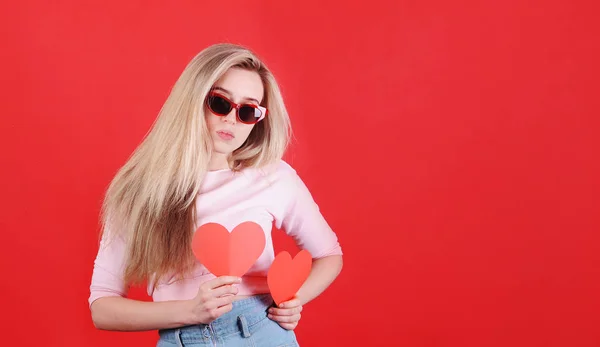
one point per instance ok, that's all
(241, 84)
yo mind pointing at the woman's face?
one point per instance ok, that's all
(241, 87)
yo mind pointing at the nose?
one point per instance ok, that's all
(230, 117)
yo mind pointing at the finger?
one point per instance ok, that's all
(285, 319)
(224, 290)
(288, 326)
(285, 311)
(219, 311)
(292, 303)
(221, 281)
(221, 301)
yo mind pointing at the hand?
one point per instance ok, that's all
(287, 315)
(214, 299)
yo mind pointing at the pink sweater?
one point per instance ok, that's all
(230, 198)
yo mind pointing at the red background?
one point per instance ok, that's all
(452, 145)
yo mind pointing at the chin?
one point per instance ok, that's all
(222, 148)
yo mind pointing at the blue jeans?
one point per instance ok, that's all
(245, 325)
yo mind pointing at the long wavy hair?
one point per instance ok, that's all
(150, 202)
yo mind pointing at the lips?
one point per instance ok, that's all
(225, 135)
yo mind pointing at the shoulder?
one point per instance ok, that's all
(286, 169)
(281, 170)
(280, 174)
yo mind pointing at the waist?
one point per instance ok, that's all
(187, 289)
(247, 315)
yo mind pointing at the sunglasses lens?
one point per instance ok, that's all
(219, 105)
(249, 114)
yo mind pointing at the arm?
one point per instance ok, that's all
(122, 314)
(323, 272)
(304, 222)
(111, 310)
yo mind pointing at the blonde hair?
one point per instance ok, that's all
(150, 202)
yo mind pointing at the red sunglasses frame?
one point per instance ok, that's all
(237, 107)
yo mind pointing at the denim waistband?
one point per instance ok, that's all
(244, 317)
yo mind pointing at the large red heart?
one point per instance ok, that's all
(228, 254)
(286, 276)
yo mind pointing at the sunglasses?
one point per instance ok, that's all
(245, 113)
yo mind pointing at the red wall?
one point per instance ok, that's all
(452, 145)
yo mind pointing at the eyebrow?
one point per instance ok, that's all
(228, 92)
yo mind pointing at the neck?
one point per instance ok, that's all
(218, 161)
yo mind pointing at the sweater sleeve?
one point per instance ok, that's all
(107, 275)
(303, 221)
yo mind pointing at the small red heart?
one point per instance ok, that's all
(286, 276)
(228, 254)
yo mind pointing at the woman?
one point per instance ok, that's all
(212, 156)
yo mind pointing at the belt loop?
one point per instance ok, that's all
(178, 337)
(244, 324)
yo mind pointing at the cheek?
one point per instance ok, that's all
(245, 131)
(211, 121)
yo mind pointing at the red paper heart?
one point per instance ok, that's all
(228, 254)
(286, 276)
